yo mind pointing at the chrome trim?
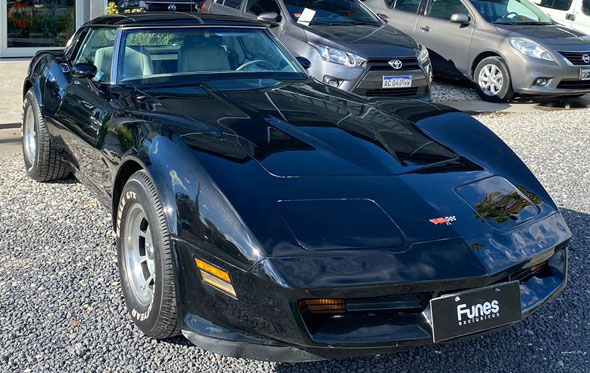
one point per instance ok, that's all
(115, 62)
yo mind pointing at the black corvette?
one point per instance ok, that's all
(266, 215)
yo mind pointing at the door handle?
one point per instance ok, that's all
(425, 28)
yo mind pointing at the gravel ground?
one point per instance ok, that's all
(450, 90)
(61, 308)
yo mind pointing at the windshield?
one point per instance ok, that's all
(331, 12)
(511, 12)
(162, 53)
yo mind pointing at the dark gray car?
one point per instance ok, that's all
(349, 46)
(504, 46)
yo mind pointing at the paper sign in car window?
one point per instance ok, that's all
(306, 16)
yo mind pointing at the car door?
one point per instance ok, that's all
(582, 14)
(286, 29)
(447, 42)
(403, 14)
(231, 7)
(83, 108)
(561, 11)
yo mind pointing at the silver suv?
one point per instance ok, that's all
(349, 46)
(504, 46)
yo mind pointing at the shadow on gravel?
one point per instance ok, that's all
(555, 338)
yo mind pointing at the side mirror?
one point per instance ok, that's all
(268, 17)
(84, 70)
(460, 18)
(304, 62)
(384, 17)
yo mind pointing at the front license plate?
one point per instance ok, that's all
(402, 81)
(584, 74)
(473, 311)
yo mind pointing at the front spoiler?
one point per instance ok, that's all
(535, 292)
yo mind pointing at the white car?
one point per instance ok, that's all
(570, 13)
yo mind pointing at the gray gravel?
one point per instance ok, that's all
(61, 308)
(449, 90)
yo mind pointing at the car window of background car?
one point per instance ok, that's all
(586, 7)
(444, 9)
(236, 4)
(333, 12)
(511, 12)
(150, 54)
(404, 5)
(557, 4)
(98, 50)
(258, 7)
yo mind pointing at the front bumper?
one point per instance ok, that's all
(563, 77)
(265, 322)
(368, 81)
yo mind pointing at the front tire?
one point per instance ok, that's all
(145, 259)
(492, 80)
(42, 161)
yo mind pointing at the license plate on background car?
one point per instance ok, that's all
(584, 74)
(476, 310)
(403, 81)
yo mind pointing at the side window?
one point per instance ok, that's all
(557, 4)
(586, 7)
(444, 9)
(258, 7)
(98, 50)
(404, 5)
(236, 4)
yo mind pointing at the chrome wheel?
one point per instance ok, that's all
(491, 79)
(139, 255)
(30, 136)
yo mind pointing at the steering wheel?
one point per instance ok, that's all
(255, 62)
(507, 15)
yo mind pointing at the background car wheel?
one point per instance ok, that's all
(42, 161)
(492, 80)
(145, 259)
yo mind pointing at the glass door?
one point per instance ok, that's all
(30, 25)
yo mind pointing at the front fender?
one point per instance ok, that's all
(196, 209)
(477, 143)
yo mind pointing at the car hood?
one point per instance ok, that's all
(292, 157)
(300, 130)
(549, 35)
(365, 40)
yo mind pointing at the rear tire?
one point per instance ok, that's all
(145, 259)
(42, 161)
(492, 80)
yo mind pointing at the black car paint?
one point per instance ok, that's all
(225, 154)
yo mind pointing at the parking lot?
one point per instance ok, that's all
(61, 307)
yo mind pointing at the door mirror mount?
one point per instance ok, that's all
(268, 17)
(84, 70)
(304, 62)
(460, 18)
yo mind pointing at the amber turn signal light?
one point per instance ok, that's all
(323, 305)
(215, 277)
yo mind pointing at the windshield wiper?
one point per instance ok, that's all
(345, 24)
(523, 23)
(535, 23)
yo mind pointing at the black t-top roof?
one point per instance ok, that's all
(172, 19)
